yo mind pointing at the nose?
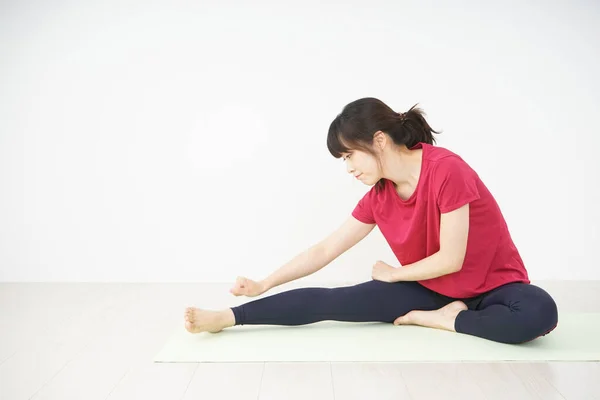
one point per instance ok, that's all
(349, 169)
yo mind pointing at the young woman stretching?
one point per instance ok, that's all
(460, 269)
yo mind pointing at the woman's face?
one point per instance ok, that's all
(363, 165)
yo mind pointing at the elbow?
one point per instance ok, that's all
(455, 267)
(454, 263)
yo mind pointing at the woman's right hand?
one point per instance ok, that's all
(247, 287)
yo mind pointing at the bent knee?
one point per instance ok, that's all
(538, 320)
(547, 311)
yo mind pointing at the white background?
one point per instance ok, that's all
(186, 141)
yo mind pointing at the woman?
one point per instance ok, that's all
(460, 270)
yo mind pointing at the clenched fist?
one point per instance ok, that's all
(383, 272)
(247, 287)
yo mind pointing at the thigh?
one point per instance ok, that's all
(518, 296)
(389, 299)
(513, 313)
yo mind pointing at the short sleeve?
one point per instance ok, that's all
(455, 184)
(364, 209)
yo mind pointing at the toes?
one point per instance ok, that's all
(189, 314)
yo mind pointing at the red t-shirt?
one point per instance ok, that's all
(412, 226)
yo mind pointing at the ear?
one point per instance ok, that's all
(379, 140)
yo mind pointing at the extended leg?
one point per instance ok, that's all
(371, 301)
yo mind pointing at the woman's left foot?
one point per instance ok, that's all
(442, 318)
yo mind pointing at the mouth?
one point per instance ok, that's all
(358, 176)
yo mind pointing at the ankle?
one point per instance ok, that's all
(227, 317)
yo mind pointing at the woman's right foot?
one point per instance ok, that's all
(198, 320)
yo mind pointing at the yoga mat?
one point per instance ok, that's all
(576, 338)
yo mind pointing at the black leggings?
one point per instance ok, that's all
(512, 313)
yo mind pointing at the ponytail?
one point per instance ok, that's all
(411, 128)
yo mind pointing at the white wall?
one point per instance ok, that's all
(163, 141)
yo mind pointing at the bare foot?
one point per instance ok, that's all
(198, 320)
(442, 318)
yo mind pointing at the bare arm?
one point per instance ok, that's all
(454, 232)
(318, 256)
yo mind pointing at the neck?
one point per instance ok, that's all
(403, 167)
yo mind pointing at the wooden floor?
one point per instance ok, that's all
(97, 341)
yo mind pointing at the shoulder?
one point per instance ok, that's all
(453, 181)
(443, 160)
(448, 169)
(435, 154)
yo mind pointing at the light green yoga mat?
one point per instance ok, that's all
(576, 338)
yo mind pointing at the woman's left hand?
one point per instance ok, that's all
(383, 272)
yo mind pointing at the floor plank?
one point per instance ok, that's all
(236, 381)
(297, 381)
(439, 380)
(574, 380)
(154, 381)
(41, 356)
(107, 345)
(499, 381)
(534, 383)
(27, 371)
(91, 376)
(362, 380)
(31, 310)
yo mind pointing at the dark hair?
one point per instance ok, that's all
(356, 125)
